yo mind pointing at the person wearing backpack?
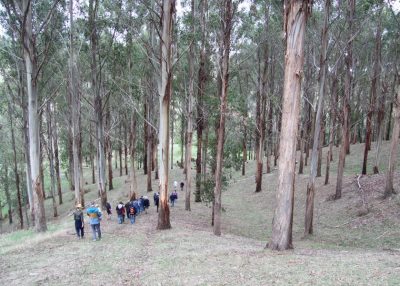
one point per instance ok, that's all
(95, 218)
(173, 197)
(120, 212)
(156, 198)
(79, 223)
(132, 212)
(108, 209)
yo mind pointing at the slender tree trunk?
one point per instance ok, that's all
(57, 161)
(244, 152)
(132, 149)
(315, 155)
(34, 136)
(75, 112)
(120, 153)
(189, 132)
(172, 138)
(202, 79)
(295, 21)
(6, 187)
(91, 154)
(346, 103)
(165, 93)
(225, 45)
(50, 155)
(98, 104)
(29, 186)
(374, 92)
(109, 148)
(389, 123)
(395, 141)
(126, 149)
(183, 141)
(145, 135)
(11, 114)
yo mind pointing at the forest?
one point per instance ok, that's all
(280, 119)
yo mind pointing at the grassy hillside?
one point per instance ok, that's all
(349, 246)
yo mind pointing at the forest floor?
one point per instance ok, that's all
(349, 246)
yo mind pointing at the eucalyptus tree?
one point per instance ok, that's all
(295, 18)
(165, 93)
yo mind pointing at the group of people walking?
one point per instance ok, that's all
(129, 210)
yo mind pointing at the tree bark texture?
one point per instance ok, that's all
(346, 102)
(165, 93)
(33, 115)
(394, 143)
(225, 44)
(295, 15)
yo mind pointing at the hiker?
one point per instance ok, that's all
(127, 205)
(95, 218)
(120, 212)
(141, 204)
(182, 185)
(173, 197)
(156, 198)
(79, 223)
(108, 209)
(146, 203)
(132, 212)
(175, 185)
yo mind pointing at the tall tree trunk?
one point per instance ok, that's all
(145, 135)
(374, 92)
(316, 155)
(389, 123)
(50, 155)
(132, 149)
(76, 110)
(261, 101)
(98, 104)
(295, 13)
(126, 148)
(120, 152)
(189, 131)
(244, 150)
(165, 93)
(109, 148)
(225, 45)
(11, 114)
(6, 187)
(57, 162)
(172, 138)
(34, 136)
(395, 140)
(346, 102)
(202, 79)
(29, 187)
(183, 141)
(333, 113)
(91, 154)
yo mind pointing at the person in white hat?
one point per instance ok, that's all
(79, 223)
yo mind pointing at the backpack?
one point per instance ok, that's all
(78, 215)
(132, 210)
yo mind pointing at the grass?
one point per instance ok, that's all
(345, 249)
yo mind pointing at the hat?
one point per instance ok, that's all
(78, 206)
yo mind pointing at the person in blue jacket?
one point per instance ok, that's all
(95, 218)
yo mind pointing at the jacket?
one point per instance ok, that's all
(94, 215)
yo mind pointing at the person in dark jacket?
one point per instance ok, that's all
(120, 212)
(108, 209)
(173, 197)
(156, 198)
(79, 223)
(146, 203)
